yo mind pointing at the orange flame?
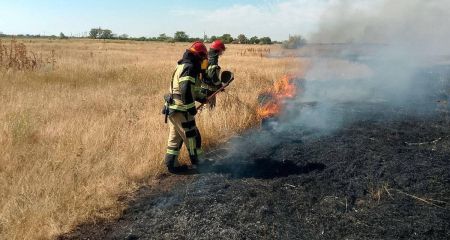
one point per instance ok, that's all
(273, 98)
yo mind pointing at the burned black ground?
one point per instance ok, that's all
(383, 173)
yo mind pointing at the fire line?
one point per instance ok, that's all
(272, 100)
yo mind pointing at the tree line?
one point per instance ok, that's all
(180, 36)
(293, 42)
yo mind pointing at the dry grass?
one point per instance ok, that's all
(378, 191)
(15, 56)
(77, 135)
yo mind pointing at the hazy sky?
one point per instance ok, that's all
(273, 18)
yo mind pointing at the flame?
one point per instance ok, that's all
(273, 98)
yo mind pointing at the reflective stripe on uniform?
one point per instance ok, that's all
(187, 78)
(213, 67)
(191, 146)
(178, 107)
(172, 152)
(190, 105)
(210, 88)
(182, 107)
(199, 151)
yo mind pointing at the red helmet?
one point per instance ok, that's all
(199, 49)
(218, 45)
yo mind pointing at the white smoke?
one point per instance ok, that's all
(419, 24)
(382, 74)
(388, 45)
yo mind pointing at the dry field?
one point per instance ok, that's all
(78, 134)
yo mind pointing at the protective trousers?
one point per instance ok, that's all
(182, 128)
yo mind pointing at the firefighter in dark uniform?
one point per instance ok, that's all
(211, 80)
(184, 91)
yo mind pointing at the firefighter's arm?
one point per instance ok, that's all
(213, 73)
(187, 81)
(186, 96)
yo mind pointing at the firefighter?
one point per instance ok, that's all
(185, 90)
(211, 80)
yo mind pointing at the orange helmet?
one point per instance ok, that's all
(199, 49)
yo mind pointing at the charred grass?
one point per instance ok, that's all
(382, 176)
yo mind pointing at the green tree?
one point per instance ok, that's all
(95, 33)
(213, 38)
(162, 37)
(227, 38)
(123, 37)
(180, 36)
(194, 39)
(242, 39)
(265, 40)
(106, 34)
(62, 36)
(254, 40)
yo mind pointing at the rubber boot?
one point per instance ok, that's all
(170, 163)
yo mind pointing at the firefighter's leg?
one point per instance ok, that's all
(198, 141)
(193, 139)
(174, 142)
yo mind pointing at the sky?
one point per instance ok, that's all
(274, 18)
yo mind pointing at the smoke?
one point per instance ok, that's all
(417, 24)
(388, 45)
(391, 66)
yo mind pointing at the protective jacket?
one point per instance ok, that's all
(186, 85)
(211, 80)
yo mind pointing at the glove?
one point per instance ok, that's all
(192, 111)
(203, 100)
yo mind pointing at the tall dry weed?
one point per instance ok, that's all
(16, 56)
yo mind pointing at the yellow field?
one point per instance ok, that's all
(76, 136)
